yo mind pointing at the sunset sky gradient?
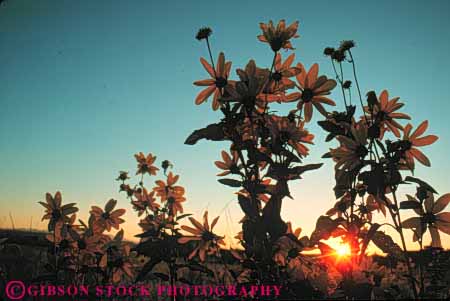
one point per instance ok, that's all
(87, 84)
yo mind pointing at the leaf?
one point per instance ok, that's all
(330, 137)
(184, 280)
(373, 229)
(162, 276)
(421, 183)
(331, 127)
(211, 132)
(183, 216)
(410, 205)
(200, 268)
(246, 206)
(148, 233)
(301, 169)
(326, 249)
(385, 243)
(324, 227)
(119, 235)
(327, 155)
(147, 268)
(230, 182)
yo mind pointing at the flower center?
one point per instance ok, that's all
(342, 207)
(207, 236)
(81, 244)
(64, 244)
(56, 214)
(276, 76)
(118, 262)
(363, 209)
(221, 82)
(276, 43)
(105, 215)
(307, 95)
(429, 218)
(407, 145)
(382, 115)
(234, 169)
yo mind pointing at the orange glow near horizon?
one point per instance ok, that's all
(343, 250)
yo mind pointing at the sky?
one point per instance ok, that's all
(87, 84)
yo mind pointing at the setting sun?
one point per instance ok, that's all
(343, 250)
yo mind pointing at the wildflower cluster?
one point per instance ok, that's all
(85, 251)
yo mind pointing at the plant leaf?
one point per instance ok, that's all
(211, 132)
(230, 182)
(373, 229)
(420, 182)
(410, 205)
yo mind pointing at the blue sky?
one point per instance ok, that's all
(86, 84)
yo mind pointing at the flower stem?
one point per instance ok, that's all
(405, 250)
(340, 84)
(210, 56)
(357, 84)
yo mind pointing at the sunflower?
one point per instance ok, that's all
(260, 188)
(278, 37)
(313, 90)
(217, 82)
(107, 218)
(280, 82)
(63, 231)
(90, 243)
(289, 245)
(432, 218)
(119, 261)
(366, 209)
(144, 200)
(229, 165)
(384, 113)
(207, 241)
(374, 203)
(145, 164)
(56, 213)
(352, 151)
(163, 189)
(341, 206)
(174, 200)
(412, 141)
(293, 133)
(155, 222)
(246, 92)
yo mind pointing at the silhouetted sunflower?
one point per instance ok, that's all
(56, 213)
(207, 241)
(217, 83)
(384, 113)
(431, 218)
(351, 152)
(280, 36)
(313, 90)
(107, 218)
(145, 164)
(412, 141)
